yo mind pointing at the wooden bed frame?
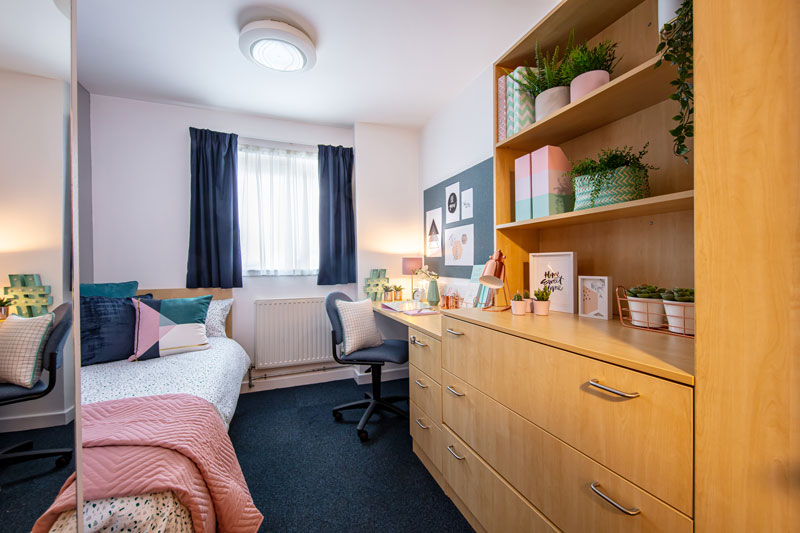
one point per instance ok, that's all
(218, 294)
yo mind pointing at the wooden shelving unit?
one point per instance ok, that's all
(649, 240)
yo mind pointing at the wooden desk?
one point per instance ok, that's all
(429, 324)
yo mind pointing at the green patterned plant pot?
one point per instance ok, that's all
(622, 184)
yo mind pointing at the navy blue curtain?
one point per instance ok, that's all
(215, 256)
(337, 227)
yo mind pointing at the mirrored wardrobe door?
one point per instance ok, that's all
(37, 369)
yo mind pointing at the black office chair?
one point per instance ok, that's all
(391, 351)
(52, 358)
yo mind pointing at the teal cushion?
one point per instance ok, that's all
(186, 310)
(126, 289)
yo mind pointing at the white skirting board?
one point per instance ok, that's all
(36, 421)
(390, 372)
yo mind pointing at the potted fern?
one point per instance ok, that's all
(589, 67)
(518, 304)
(398, 293)
(547, 83)
(618, 175)
(541, 306)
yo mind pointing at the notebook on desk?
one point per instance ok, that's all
(410, 308)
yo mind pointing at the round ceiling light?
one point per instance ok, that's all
(277, 45)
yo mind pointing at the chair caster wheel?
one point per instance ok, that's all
(363, 435)
(62, 461)
(337, 415)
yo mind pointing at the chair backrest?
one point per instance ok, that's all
(333, 314)
(62, 325)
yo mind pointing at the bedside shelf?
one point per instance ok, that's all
(665, 203)
(635, 90)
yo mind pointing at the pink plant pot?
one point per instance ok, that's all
(586, 83)
(541, 308)
(518, 307)
(529, 306)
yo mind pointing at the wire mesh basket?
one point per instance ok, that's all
(650, 314)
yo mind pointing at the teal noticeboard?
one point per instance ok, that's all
(479, 178)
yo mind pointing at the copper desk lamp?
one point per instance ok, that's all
(494, 277)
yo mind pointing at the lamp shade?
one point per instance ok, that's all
(494, 273)
(411, 265)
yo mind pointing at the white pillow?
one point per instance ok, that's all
(358, 323)
(217, 315)
(22, 342)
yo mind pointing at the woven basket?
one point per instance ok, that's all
(621, 186)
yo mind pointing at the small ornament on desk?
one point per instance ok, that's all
(518, 304)
(541, 306)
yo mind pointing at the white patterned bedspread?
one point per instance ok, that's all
(214, 374)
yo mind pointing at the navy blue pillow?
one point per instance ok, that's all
(107, 329)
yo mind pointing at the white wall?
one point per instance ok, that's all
(33, 159)
(141, 194)
(388, 207)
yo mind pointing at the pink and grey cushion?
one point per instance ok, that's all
(167, 327)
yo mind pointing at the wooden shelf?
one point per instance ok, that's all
(666, 203)
(633, 91)
(664, 356)
(586, 17)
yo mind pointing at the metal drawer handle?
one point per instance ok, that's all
(414, 340)
(459, 457)
(596, 489)
(456, 333)
(421, 385)
(451, 389)
(420, 424)
(595, 383)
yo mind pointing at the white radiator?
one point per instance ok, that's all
(292, 332)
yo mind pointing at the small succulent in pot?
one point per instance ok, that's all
(645, 305)
(388, 293)
(518, 304)
(679, 308)
(541, 306)
(5, 303)
(678, 295)
(526, 295)
(398, 293)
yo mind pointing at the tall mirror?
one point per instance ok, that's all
(37, 371)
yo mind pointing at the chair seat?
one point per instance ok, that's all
(9, 391)
(391, 351)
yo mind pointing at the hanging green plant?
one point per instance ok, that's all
(677, 47)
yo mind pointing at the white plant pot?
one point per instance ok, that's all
(541, 308)
(518, 307)
(680, 317)
(550, 101)
(529, 305)
(646, 312)
(666, 11)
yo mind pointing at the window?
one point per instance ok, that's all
(278, 211)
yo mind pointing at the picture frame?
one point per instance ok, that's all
(595, 297)
(556, 270)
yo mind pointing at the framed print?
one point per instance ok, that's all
(556, 270)
(452, 203)
(594, 297)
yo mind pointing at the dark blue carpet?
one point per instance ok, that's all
(307, 472)
(28, 489)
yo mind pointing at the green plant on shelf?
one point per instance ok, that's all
(645, 290)
(6, 302)
(583, 58)
(517, 297)
(525, 295)
(398, 288)
(549, 71)
(678, 295)
(388, 288)
(543, 294)
(601, 170)
(677, 47)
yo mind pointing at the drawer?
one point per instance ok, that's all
(493, 502)
(554, 477)
(425, 353)
(427, 433)
(425, 392)
(646, 439)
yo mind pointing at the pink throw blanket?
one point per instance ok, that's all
(171, 442)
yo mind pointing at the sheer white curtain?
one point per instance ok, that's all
(278, 211)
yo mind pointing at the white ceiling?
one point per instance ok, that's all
(391, 62)
(34, 38)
